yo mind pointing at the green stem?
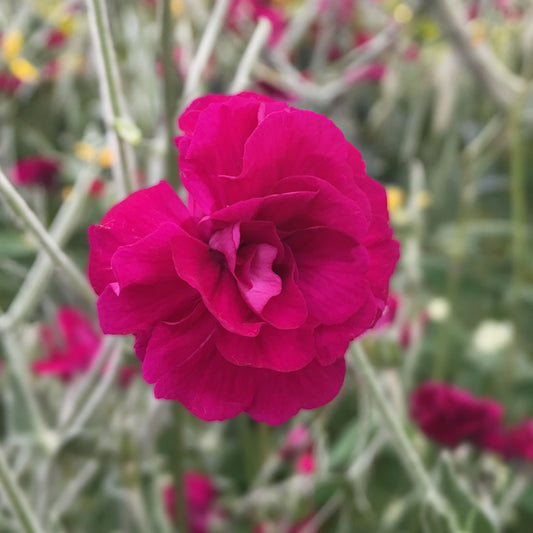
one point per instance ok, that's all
(17, 500)
(519, 242)
(406, 451)
(20, 377)
(62, 227)
(518, 192)
(207, 44)
(178, 470)
(21, 209)
(248, 447)
(123, 167)
(249, 58)
(169, 93)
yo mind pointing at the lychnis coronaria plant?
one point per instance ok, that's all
(246, 298)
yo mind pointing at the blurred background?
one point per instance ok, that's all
(437, 96)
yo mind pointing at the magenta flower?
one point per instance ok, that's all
(297, 441)
(515, 442)
(247, 299)
(70, 350)
(200, 494)
(518, 441)
(55, 39)
(451, 416)
(9, 83)
(242, 11)
(35, 170)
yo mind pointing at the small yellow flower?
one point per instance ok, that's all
(402, 14)
(105, 157)
(65, 192)
(85, 151)
(23, 70)
(177, 7)
(395, 197)
(65, 23)
(12, 44)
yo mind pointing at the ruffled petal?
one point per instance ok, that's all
(171, 344)
(331, 342)
(199, 267)
(281, 350)
(208, 385)
(279, 396)
(148, 260)
(138, 307)
(332, 271)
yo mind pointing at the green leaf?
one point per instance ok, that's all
(344, 447)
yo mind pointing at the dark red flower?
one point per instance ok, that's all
(126, 373)
(451, 416)
(97, 188)
(35, 170)
(517, 442)
(55, 39)
(9, 83)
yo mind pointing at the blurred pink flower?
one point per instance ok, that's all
(97, 188)
(252, 10)
(450, 416)
(200, 494)
(518, 441)
(372, 72)
(389, 314)
(35, 170)
(247, 299)
(514, 443)
(9, 83)
(126, 374)
(55, 39)
(297, 441)
(305, 464)
(70, 347)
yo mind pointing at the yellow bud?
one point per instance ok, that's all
(23, 70)
(12, 44)
(402, 14)
(177, 7)
(105, 157)
(395, 197)
(65, 192)
(85, 151)
(66, 24)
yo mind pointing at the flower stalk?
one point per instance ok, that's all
(123, 166)
(209, 37)
(48, 244)
(169, 92)
(178, 470)
(61, 229)
(258, 40)
(406, 451)
(17, 500)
